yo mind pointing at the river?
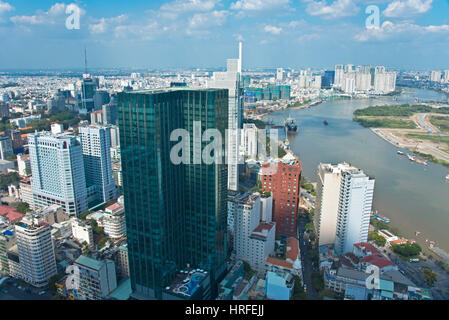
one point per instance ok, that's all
(414, 197)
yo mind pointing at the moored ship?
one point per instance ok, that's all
(290, 125)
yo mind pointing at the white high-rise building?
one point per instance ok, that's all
(280, 74)
(363, 80)
(233, 81)
(349, 85)
(254, 240)
(114, 222)
(96, 144)
(36, 252)
(354, 209)
(339, 75)
(435, 76)
(249, 142)
(384, 82)
(57, 169)
(327, 200)
(344, 203)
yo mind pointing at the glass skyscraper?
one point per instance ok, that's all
(175, 214)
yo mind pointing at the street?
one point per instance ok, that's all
(11, 292)
(306, 261)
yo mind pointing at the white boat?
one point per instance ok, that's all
(400, 152)
(447, 177)
(411, 158)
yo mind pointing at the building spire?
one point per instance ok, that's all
(240, 56)
(85, 60)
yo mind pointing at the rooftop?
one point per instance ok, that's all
(89, 262)
(187, 282)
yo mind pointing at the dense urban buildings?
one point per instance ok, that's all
(351, 79)
(176, 215)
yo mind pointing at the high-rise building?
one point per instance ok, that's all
(344, 202)
(7, 240)
(57, 169)
(96, 278)
(17, 141)
(280, 74)
(354, 209)
(114, 222)
(96, 144)
(283, 180)
(88, 88)
(253, 239)
(339, 75)
(436, 76)
(233, 81)
(384, 82)
(327, 200)
(175, 211)
(249, 140)
(328, 79)
(36, 252)
(6, 149)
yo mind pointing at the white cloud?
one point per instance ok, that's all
(56, 12)
(209, 19)
(200, 23)
(259, 5)
(272, 29)
(173, 9)
(149, 31)
(336, 9)
(5, 7)
(104, 23)
(407, 8)
(390, 30)
(308, 37)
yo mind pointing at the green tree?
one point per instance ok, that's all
(298, 291)
(8, 179)
(407, 250)
(23, 207)
(317, 281)
(430, 277)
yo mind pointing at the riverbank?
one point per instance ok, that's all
(416, 127)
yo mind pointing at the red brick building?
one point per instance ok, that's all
(283, 180)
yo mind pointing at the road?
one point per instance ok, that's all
(14, 293)
(306, 261)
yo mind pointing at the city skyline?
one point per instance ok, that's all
(203, 33)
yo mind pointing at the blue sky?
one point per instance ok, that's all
(413, 34)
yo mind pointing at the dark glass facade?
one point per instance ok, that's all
(175, 214)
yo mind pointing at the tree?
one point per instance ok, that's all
(248, 271)
(407, 250)
(8, 179)
(430, 277)
(298, 291)
(53, 280)
(317, 281)
(23, 207)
